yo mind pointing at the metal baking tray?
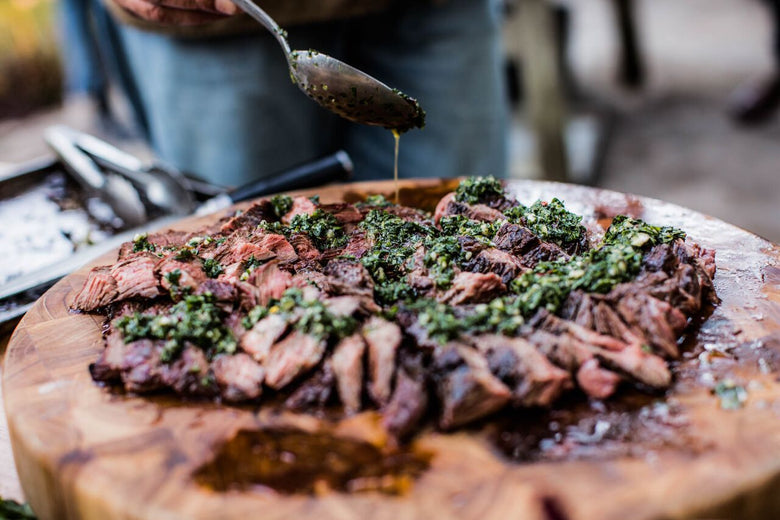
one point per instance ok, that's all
(47, 222)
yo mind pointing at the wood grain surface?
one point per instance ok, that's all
(84, 452)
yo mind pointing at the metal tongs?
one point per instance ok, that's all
(159, 189)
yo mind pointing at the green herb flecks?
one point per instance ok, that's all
(731, 395)
(550, 221)
(196, 319)
(388, 230)
(475, 190)
(141, 243)
(325, 231)
(13, 510)
(637, 233)
(281, 204)
(211, 267)
(375, 201)
(315, 318)
(444, 323)
(442, 254)
(462, 225)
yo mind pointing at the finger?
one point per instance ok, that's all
(225, 7)
(163, 15)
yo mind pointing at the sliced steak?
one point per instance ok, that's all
(304, 247)
(358, 244)
(408, 404)
(472, 288)
(276, 245)
(660, 323)
(135, 277)
(347, 365)
(300, 206)
(258, 340)
(188, 374)
(346, 214)
(189, 274)
(351, 305)
(270, 282)
(495, 261)
(292, 357)
(465, 386)
(238, 376)
(142, 369)
(160, 241)
(348, 277)
(251, 217)
(238, 250)
(595, 380)
(315, 392)
(383, 339)
(221, 291)
(515, 239)
(99, 290)
(534, 381)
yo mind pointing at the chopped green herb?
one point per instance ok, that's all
(173, 277)
(388, 230)
(281, 204)
(637, 233)
(475, 190)
(212, 267)
(441, 256)
(196, 319)
(315, 318)
(13, 510)
(141, 243)
(550, 221)
(322, 227)
(378, 201)
(731, 395)
(462, 225)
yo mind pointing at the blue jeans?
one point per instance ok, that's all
(225, 109)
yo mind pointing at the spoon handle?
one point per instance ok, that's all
(252, 9)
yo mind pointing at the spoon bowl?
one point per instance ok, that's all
(341, 88)
(353, 94)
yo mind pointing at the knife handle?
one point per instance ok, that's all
(332, 168)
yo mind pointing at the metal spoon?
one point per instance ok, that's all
(340, 88)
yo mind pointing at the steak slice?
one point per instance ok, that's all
(141, 369)
(315, 392)
(99, 290)
(466, 388)
(160, 241)
(135, 277)
(304, 247)
(347, 365)
(188, 373)
(276, 245)
(258, 340)
(251, 217)
(409, 401)
(472, 288)
(660, 323)
(492, 260)
(221, 291)
(190, 274)
(449, 206)
(349, 277)
(238, 376)
(515, 239)
(534, 381)
(270, 282)
(300, 206)
(292, 357)
(383, 339)
(351, 305)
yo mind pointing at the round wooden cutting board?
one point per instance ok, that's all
(83, 451)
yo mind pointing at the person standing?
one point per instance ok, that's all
(215, 91)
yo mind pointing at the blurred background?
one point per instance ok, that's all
(632, 95)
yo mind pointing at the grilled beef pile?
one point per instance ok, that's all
(486, 304)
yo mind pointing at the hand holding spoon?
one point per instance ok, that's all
(340, 88)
